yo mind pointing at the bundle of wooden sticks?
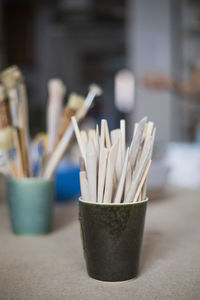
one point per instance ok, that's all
(110, 173)
(14, 124)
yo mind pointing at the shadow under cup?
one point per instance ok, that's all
(30, 202)
(112, 237)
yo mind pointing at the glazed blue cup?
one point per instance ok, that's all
(30, 203)
(112, 238)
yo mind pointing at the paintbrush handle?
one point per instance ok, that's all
(58, 152)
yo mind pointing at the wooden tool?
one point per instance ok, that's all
(57, 91)
(84, 186)
(131, 180)
(120, 189)
(91, 167)
(73, 105)
(65, 140)
(110, 174)
(13, 81)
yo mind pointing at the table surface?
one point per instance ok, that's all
(53, 267)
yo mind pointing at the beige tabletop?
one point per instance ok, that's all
(53, 267)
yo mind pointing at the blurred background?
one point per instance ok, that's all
(149, 48)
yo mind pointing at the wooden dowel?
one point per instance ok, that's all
(123, 134)
(58, 152)
(91, 167)
(78, 137)
(109, 174)
(120, 189)
(92, 134)
(82, 164)
(107, 135)
(135, 128)
(148, 132)
(136, 142)
(117, 137)
(56, 90)
(94, 90)
(84, 138)
(101, 150)
(101, 181)
(128, 179)
(96, 142)
(137, 174)
(84, 186)
(139, 188)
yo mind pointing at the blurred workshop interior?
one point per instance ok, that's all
(106, 42)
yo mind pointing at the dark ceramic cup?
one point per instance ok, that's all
(112, 237)
(30, 202)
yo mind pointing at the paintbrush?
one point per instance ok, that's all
(6, 132)
(73, 105)
(9, 78)
(57, 91)
(23, 120)
(60, 149)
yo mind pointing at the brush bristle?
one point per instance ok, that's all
(96, 89)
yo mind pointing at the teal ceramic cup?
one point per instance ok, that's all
(30, 203)
(112, 237)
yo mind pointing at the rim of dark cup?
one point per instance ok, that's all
(112, 204)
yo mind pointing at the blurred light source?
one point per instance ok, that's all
(124, 90)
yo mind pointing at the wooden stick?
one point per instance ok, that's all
(128, 179)
(56, 95)
(97, 141)
(24, 123)
(97, 131)
(116, 136)
(101, 181)
(64, 142)
(120, 189)
(140, 197)
(84, 138)
(82, 164)
(136, 142)
(137, 174)
(107, 136)
(78, 137)
(135, 128)
(148, 132)
(84, 186)
(92, 134)
(123, 134)
(144, 188)
(101, 150)
(74, 103)
(109, 174)
(138, 192)
(91, 170)
(94, 90)
(58, 152)
(153, 140)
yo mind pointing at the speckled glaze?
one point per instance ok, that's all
(112, 237)
(30, 202)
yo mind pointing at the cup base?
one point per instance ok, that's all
(113, 278)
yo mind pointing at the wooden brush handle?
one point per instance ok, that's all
(64, 122)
